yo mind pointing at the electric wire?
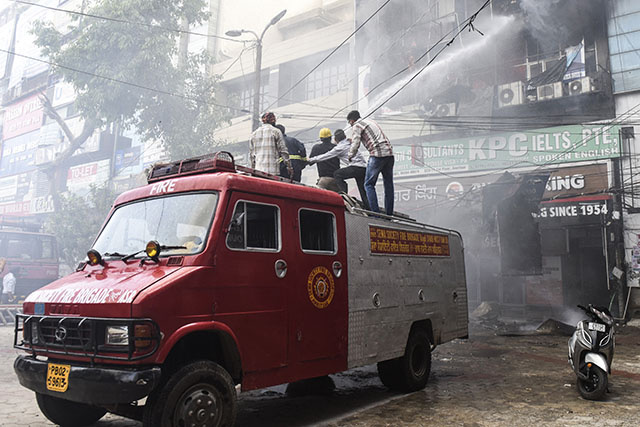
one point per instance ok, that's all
(164, 92)
(329, 55)
(124, 21)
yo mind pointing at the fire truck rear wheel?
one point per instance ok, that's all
(67, 413)
(411, 371)
(202, 393)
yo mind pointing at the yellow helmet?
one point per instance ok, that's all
(325, 133)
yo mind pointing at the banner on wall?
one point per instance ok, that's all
(541, 147)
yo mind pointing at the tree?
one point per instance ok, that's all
(77, 222)
(129, 69)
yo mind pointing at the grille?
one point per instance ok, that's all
(63, 332)
(84, 336)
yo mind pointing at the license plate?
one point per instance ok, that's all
(596, 327)
(58, 377)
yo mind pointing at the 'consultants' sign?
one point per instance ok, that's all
(509, 150)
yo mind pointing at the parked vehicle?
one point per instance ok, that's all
(591, 352)
(215, 275)
(31, 254)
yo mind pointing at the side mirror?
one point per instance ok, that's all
(236, 223)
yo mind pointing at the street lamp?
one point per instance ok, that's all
(256, 88)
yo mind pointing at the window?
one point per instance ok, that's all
(317, 231)
(254, 226)
(180, 221)
(326, 81)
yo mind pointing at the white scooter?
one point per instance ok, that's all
(591, 352)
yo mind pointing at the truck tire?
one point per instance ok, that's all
(411, 371)
(201, 393)
(67, 413)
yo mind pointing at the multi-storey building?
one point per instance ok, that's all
(510, 135)
(624, 45)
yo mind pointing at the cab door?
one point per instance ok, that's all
(319, 291)
(251, 296)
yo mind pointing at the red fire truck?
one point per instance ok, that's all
(216, 276)
(30, 254)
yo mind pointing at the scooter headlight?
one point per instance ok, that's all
(605, 317)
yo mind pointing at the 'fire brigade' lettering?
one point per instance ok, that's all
(163, 187)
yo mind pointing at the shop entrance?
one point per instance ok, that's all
(584, 268)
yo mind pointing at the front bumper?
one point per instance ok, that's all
(91, 385)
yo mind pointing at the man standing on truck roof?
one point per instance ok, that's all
(297, 155)
(267, 145)
(380, 158)
(355, 168)
(326, 168)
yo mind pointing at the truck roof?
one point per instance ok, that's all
(219, 172)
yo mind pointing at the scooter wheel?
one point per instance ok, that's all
(595, 386)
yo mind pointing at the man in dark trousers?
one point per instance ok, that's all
(297, 155)
(326, 168)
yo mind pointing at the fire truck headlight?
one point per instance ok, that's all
(117, 335)
(34, 333)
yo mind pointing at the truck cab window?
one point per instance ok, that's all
(254, 226)
(181, 220)
(317, 231)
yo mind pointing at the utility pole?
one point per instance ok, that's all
(258, 69)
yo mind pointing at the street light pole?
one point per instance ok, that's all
(258, 69)
(256, 85)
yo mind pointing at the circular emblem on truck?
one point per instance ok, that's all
(60, 333)
(320, 287)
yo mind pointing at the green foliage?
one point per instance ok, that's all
(77, 223)
(179, 111)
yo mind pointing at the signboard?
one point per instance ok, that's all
(389, 241)
(22, 117)
(80, 178)
(576, 181)
(584, 208)
(15, 208)
(63, 93)
(540, 147)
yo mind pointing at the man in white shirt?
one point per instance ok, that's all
(355, 168)
(8, 287)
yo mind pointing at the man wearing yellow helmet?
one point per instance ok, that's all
(326, 168)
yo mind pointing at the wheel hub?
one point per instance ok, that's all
(198, 407)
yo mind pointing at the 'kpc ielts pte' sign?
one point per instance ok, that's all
(22, 117)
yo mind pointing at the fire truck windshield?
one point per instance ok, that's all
(179, 222)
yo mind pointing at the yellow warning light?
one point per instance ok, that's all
(94, 257)
(152, 249)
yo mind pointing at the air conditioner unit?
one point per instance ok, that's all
(583, 85)
(511, 94)
(445, 110)
(550, 91)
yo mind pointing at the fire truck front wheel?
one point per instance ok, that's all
(67, 413)
(201, 393)
(411, 371)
